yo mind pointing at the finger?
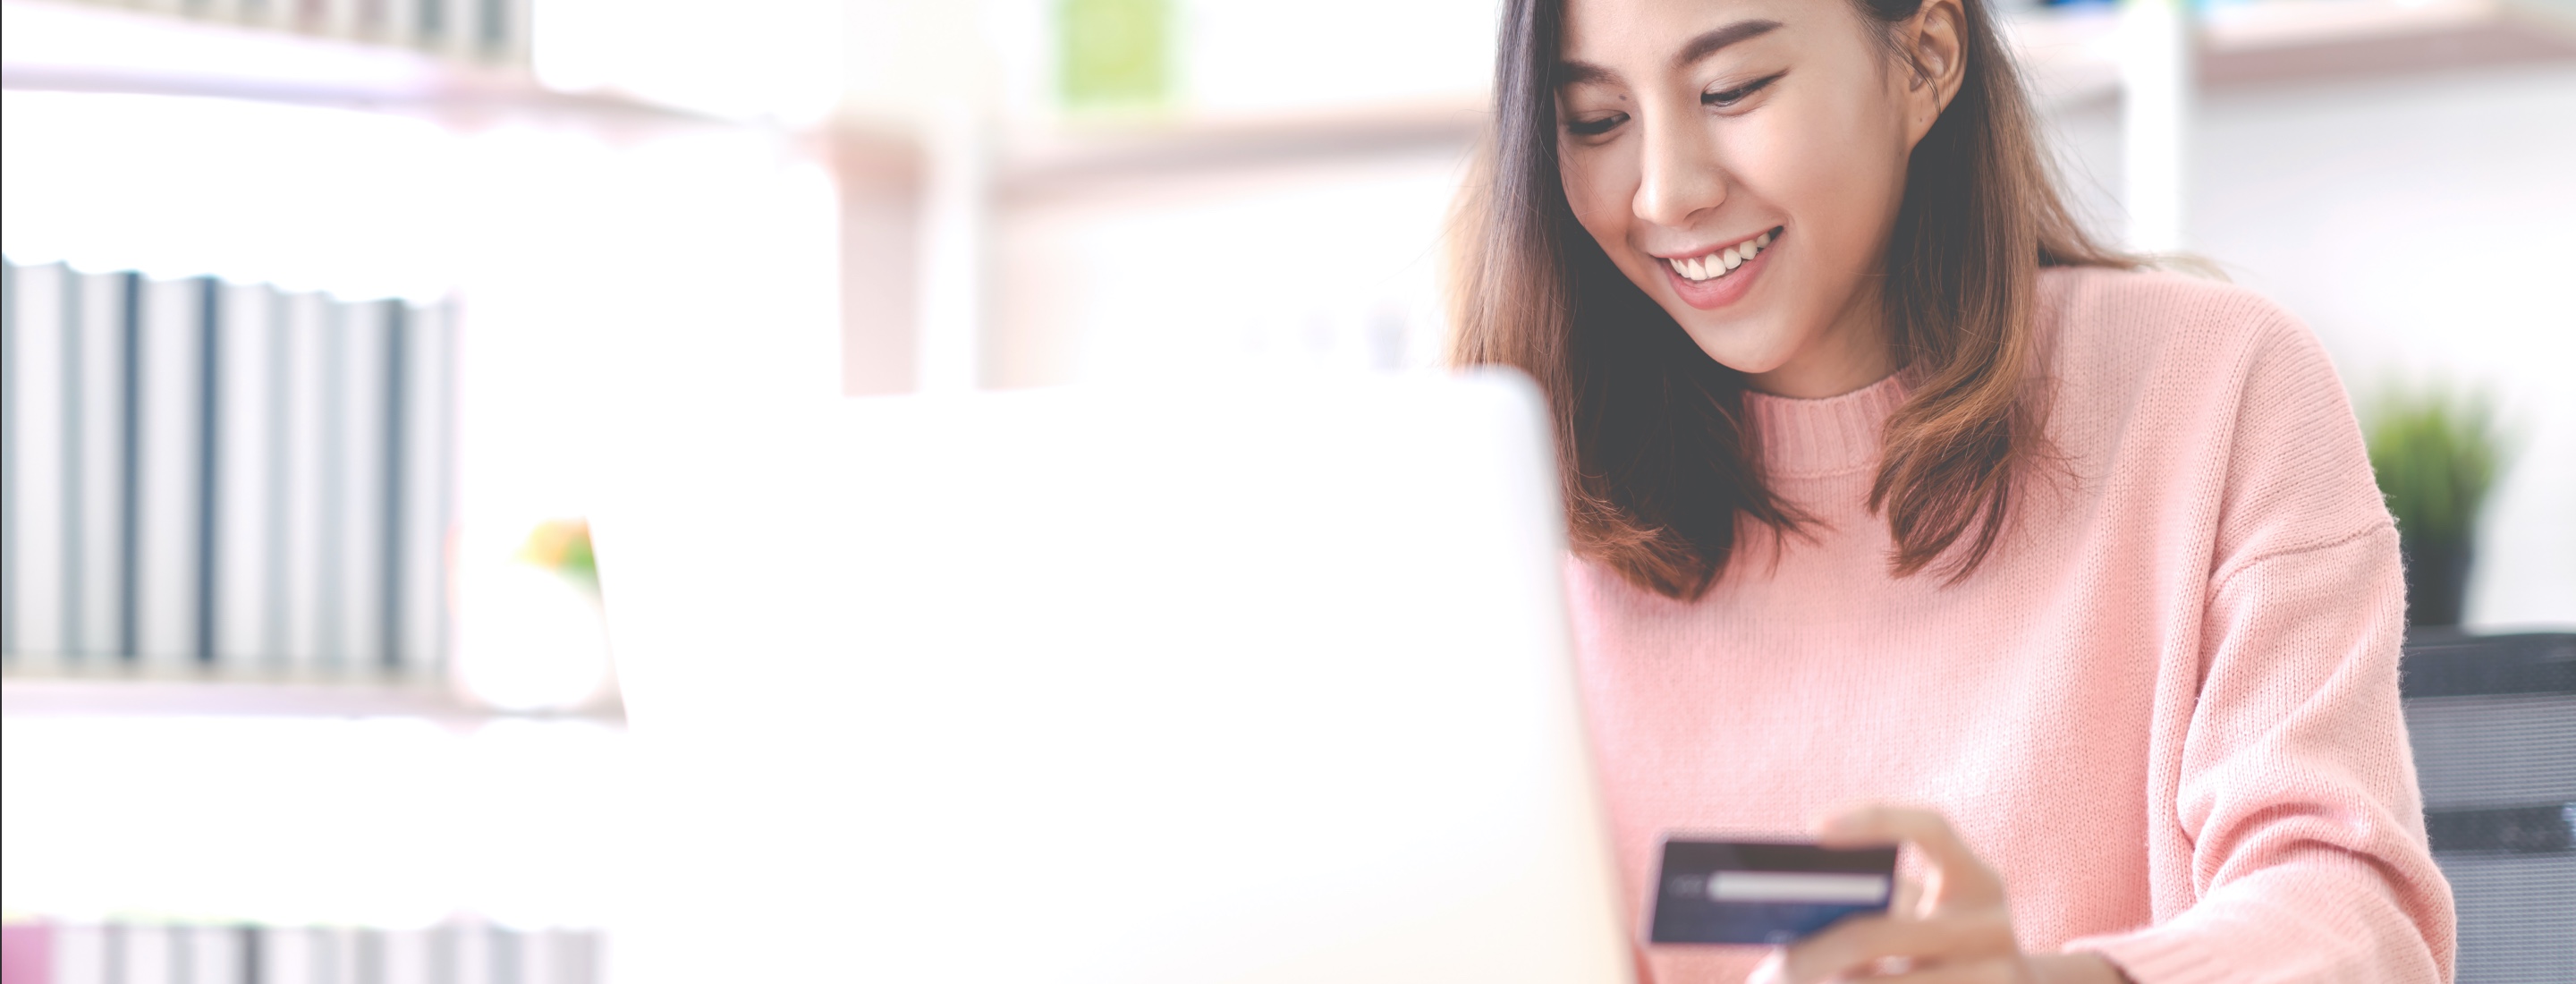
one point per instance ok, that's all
(1999, 970)
(1851, 946)
(1908, 900)
(1962, 879)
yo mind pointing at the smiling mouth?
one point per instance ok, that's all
(1716, 263)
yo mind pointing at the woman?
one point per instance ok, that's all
(1889, 486)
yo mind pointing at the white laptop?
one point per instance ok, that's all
(1263, 683)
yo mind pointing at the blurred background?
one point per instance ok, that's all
(317, 311)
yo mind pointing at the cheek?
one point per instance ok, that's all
(1600, 189)
(1834, 172)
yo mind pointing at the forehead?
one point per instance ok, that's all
(1624, 34)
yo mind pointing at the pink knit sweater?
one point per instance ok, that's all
(2165, 709)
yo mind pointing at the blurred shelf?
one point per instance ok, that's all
(84, 48)
(30, 687)
(2071, 54)
(2067, 54)
(1038, 160)
(2281, 40)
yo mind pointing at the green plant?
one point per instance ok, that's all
(2436, 452)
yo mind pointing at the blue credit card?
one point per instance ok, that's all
(1764, 892)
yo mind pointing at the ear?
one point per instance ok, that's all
(1934, 43)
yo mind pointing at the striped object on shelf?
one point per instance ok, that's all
(2493, 724)
(206, 475)
(207, 953)
(492, 32)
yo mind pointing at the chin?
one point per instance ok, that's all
(1749, 349)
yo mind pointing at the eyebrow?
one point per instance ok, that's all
(1708, 42)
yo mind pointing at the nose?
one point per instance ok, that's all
(1680, 177)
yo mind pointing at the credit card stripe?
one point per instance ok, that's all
(1796, 886)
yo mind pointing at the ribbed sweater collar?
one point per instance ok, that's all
(1827, 436)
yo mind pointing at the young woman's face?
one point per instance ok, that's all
(1742, 161)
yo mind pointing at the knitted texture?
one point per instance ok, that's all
(2165, 709)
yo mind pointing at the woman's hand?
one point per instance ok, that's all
(1956, 930)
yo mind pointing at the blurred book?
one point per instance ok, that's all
(355, 500)
(493, 32)
(305, 337)
(34, 432)
(210, 474)
(244, 507)
(171, 464)
(425, 455)
(98, 340)
(42, 952)
(8, 452)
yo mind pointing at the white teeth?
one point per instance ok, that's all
(1715, 265)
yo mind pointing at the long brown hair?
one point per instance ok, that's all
(1660, 469)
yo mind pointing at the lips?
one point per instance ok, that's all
(1722, 276)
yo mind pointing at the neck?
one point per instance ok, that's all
(1850, 353)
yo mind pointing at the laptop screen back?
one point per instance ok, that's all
(1263, 684)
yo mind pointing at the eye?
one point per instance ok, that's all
(1729, 97)
(1598, 126)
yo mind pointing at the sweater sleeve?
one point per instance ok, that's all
(2295, 849)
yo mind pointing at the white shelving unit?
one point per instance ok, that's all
(49, 46)
(2071, 54)
(77, 47)
(39, 687)
(105, 693)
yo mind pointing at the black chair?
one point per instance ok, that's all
(2493, 722)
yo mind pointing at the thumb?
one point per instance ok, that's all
(1773, 969)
